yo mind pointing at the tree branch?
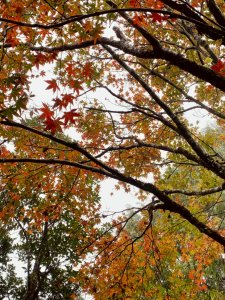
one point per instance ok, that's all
(197, 193)
(216, 12)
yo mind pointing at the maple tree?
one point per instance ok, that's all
(125, 77)
(47, 217)
(166, 259)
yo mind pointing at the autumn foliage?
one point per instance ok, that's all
(132, 91)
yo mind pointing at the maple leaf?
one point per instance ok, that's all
(42, 73)
(139, 20)
(64, 102)
(191, 274)
(46, 112)
(69, 117)
(76, 86)
(134, 3)
(158, 18)
(52, 56)
(53, 125)
(219, 66)
(67, 99)
(40, 59)
(52, 85)
(88, 26)
(87, 71)
(154, 4)
(58, 103)
(13, 41)
(70, 69)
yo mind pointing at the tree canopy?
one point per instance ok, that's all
(126, 78)
(47, 216)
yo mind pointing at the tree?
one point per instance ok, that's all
(164, 59)
(167, 259)
(47, 216)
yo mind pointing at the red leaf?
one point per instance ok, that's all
(87, 71)
(158, 18)
(58, 103)
(52, 85)
(46, 112)
(134, 3)
(156, 4)
(69, 117)
(219, 66)
(67, 99)
(42, 73)
(13, 41)
(70, 69)
(40, 59)
(53, 125)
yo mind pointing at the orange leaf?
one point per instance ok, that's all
(134, 3)
(191, 274)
